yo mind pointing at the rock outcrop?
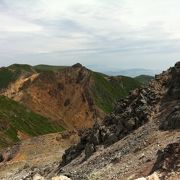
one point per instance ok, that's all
(168, 159)
(142, 106)
(172, 122)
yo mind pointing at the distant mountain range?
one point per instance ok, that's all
(133, 72)
(120, 71)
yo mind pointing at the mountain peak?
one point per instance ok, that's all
(77, 65)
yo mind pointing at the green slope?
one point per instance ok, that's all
(21, 68)
(43, 67)
(15, 117)
(107, 90)
(144, 79)
(7, 76)
(11, 73)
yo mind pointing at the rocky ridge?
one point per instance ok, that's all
(141, 112)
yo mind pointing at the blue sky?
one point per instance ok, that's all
(107, 34)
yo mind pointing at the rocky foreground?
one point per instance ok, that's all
(140, 139)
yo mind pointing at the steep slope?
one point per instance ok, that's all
(107, 90)
(73, 97)
(144, 79)
(18, 122)
(126, 144)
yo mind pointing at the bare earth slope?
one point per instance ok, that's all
(57, 96)
(73, 97)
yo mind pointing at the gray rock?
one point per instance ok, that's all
(111, 139)
(1, 158)
(89, 150)
(95, 138)
(172, 122)
(130, 124)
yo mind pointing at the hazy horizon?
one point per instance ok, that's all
(121, 34)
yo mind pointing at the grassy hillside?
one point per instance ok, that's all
(15, 117)
(144, 79)
(7, 76)
(11, 73)
(20, 68)
(107, 90)
(42, 67)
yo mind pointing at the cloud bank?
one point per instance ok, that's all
(110, 34)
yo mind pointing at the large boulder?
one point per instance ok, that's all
(168, 159)
(71, 153)
(172, 122)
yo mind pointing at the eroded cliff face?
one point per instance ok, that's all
(64, 96)
(73, 97)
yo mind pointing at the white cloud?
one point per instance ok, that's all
(141, 13)
(89, 26)
(12, 24)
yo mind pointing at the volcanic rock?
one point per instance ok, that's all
(172, 122)
(1, 158)
(89, 150)
(168, 159)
